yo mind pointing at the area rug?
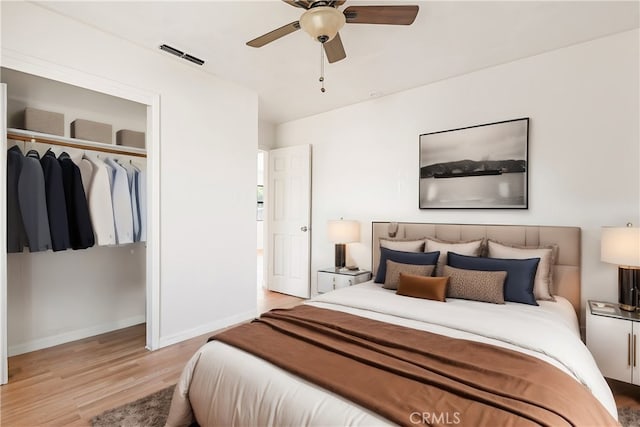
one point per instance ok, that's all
(149, 411)
(629, 417)
(152, 411)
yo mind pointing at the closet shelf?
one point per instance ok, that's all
(45, 138)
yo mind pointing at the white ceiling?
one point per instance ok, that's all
(448, 38)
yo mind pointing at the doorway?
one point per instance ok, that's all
(261, 223)
(150, 102)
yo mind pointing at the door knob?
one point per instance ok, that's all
(303, 228)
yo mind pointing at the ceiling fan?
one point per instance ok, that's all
(322, 20)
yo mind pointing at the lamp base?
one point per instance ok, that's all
(341, 250)
(628, 287)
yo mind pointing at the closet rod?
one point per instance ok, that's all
(45, 140)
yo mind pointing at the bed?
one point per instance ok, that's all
(223, 385)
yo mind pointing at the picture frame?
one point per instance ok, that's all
(476, 167)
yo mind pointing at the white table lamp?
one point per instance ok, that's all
(340, 232)
(621, 246)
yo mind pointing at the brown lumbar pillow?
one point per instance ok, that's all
(433, 288)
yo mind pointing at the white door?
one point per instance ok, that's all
(289, 220)
(3, 238)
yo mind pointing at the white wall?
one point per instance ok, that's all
(266, 135)
(582, 102)
(209, 140)
(58, 297)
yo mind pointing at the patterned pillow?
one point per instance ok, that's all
(543, 283)
(518, 286)
(433, 288)
(470, 248)
(394, 269)
(405, 245)
(476, 285)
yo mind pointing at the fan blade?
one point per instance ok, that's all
(298, 3)
(274, 35)
(337, 3)
(392, 15)
(334, 49)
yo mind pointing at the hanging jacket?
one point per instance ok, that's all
(132, 175)
(100, 205)
(86, 171)
(56, 205)
(141, 184)
(121, 200)
(33, 203)
(80, 229)
(16, 236)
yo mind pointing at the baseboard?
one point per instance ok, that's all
(78, 334)
(207, 328)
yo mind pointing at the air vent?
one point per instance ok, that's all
(181, 54)
(193, 59)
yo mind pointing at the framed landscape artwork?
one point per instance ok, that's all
(477, 167)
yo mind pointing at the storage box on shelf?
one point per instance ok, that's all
(91, 131)
(44, 121)
(130, 138)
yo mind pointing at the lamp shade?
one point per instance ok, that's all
(621, 246)
(343, 231)
(322, 22)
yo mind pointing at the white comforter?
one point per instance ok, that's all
(222, 385)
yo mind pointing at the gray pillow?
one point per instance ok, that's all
(476, 285)
(392, 276)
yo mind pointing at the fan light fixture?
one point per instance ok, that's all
(322, 22)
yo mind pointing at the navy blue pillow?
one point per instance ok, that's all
(416, 258)
(518, 287)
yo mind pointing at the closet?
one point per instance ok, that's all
(50, 298)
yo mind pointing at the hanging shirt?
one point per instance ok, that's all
(132, 173)
(16, 237)
(56, 205)
(86, 172)
(80, 228)
(121, 201)
(100, 205)
(33, 203)
(141, 183)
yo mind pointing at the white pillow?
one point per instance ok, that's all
(469, 248)
(543, 282)
(404, 245)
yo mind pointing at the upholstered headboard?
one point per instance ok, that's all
(566, 274)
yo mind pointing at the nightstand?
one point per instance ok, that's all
(613, 337)
(335, 278)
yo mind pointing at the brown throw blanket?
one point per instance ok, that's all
(414, 377)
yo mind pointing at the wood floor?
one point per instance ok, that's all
(70, 383)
